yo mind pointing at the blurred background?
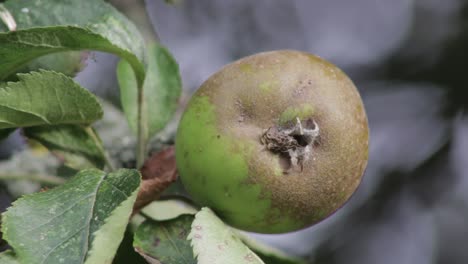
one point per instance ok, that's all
(409, 60)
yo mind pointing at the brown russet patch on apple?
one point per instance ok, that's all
(243, 112)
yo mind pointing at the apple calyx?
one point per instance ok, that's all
(293, 141)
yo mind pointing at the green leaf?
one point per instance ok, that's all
(82, 221)
(75, 144)
(166, 241)
(215, 242)
(269, 254)
(46, 98)
(50, 26)
(68, 63)
(169, 209)
(8, 257)
(161, 89)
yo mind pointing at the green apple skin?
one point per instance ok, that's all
(224, 166)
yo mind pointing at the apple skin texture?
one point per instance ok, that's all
(224, 165)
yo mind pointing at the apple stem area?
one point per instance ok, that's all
(293, 141)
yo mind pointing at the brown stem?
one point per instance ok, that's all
(158, 172)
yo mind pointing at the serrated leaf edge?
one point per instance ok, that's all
(23, 78)
(137, 65)
(4, 215)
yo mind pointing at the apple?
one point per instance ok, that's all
(274, 142)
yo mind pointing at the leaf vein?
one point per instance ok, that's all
(88, 221)
(173, 243)
(61, 242)
(43, 118)
(51, 219)
(62, 109)
(115, 187)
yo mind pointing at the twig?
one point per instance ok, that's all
(45, 179)
(138, 13)
(98, 143)
(142, 138)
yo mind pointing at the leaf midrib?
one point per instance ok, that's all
(43, 118)
(173, 243)
(58, 215)
(109, 47)
(88, 235)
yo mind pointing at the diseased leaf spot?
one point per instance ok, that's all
(183, 234)
(156, 241)
(249, 257)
